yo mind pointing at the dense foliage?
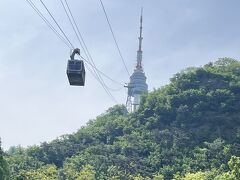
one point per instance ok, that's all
(4, 169)
(189, 129)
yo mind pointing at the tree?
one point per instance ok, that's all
(234, 173)
(48, 172)
(86, 173)
(19, 162)
(4, 170)
(187, 129)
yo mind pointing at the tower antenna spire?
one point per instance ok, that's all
(140, 37)
(139, 52)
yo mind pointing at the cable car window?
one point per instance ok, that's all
(78, 65)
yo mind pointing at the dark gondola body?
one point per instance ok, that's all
(76, 72)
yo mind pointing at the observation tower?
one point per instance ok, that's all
(137, 85)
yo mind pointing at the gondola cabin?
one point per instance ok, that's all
(76, 72)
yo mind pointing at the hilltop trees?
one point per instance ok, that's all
(4, 171)
(189, 129)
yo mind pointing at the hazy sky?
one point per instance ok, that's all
(36, 102)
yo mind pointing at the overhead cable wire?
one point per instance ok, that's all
(103, 85)
(114, 37)
(71, 21)
(106, 76)
(56, 23)
(67, 42)
(79, 36)
(84, 46)
(97, 76)
(109, 94)
(48, 23)
(85, 49)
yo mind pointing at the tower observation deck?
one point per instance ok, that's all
(137, 85)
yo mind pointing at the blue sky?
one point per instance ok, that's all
(36, 102)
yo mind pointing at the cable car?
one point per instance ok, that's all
(76, 70)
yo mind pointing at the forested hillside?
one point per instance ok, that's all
(188, 129)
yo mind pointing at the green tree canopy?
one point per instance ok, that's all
(185, 130)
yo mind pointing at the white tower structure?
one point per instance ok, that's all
(137, 85)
